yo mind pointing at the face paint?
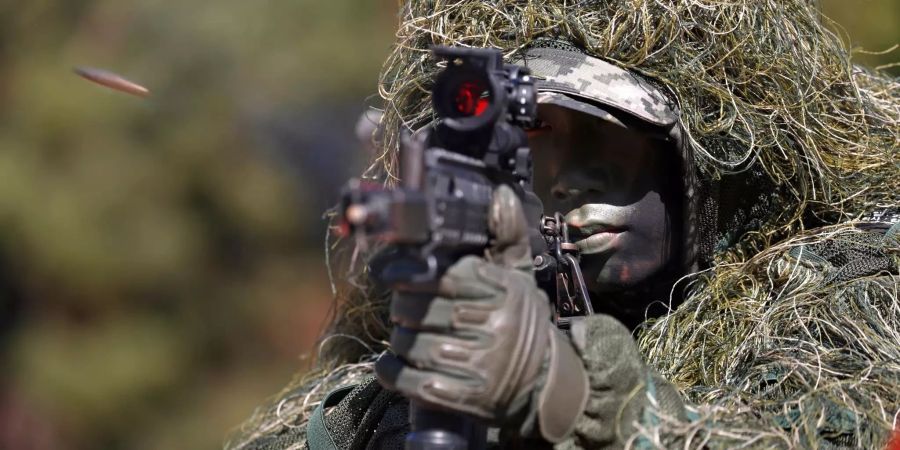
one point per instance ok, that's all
(615, 187)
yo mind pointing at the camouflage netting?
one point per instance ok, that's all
(788, 340)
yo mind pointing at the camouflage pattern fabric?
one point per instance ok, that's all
(565, 70)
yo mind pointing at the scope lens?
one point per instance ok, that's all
(471, 99)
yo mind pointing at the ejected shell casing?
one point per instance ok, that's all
(112, 81)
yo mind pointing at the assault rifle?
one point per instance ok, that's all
(439, 213)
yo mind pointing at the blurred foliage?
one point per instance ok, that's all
(871, 28)
(161, 259)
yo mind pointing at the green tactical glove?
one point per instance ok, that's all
(626, 396)
(484, 343)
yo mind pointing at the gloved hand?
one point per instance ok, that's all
(483, 344)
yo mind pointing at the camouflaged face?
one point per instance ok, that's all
(597, 82)
(567, 77)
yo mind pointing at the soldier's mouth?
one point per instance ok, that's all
(595, 238)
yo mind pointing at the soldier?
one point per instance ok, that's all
(732, 213)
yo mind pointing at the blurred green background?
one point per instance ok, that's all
(161, 259)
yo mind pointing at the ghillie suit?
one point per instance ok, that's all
(788, 335)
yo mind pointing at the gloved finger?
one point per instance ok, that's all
(437, 352)
(455, 283)
(506, 221)
(461, 281)
(427, 312)
(504, 279)
(431, 388)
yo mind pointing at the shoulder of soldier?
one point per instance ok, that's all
(794, 321)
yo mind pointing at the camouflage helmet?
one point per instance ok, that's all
(568, 77)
